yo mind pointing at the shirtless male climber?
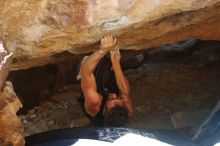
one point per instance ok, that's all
(105, 88)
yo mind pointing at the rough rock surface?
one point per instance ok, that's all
(12, 132)
(36, 31)
(10, 126)
(5, 62)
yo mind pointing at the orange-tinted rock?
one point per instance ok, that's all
(10, 125)
(5, 62)
(37, 30)
(12, 132)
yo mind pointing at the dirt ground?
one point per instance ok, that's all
(159, 89)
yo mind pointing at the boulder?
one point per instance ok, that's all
(12, 132)
(39, 32)
(5, 62)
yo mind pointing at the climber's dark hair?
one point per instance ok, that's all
(116, 116)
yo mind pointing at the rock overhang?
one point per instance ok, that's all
(35, 31)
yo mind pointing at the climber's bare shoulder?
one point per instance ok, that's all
(92, 98)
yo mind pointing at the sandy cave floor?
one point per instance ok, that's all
(159, 90)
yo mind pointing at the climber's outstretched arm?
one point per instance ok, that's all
(88, 83)
(121, 80)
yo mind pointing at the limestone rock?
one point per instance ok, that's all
(12, 132)
(40, 32)
(5, 62)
